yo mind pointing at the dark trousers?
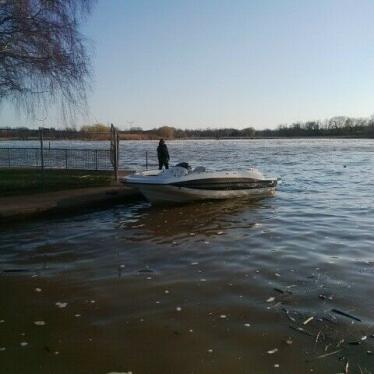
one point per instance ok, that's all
(163, 163)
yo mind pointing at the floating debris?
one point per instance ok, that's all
(2, 320)
(149, 278)
(300, 329)
(219, 232)
(206, 242)
(364, 337)
(270, 299)
(325, 297)
(178, 309)
(192, 234)
(122, 266)
(318, 335)
(2, 349)
(202, 280)
(276, 366)
(272, 351)
(210, 350)
(330, 318)
(23, 344)
(194, 263)
(223, 316)
(277, 304)
(190, 330)
(337, 311)
(329, 354)
(61, 305)
(92, 301)
(247, 325)
(166, 291)
(77, 315)
(341, 341)
(39, 323)
(38, 290)
(277, 274)
(289, 316)
(289, 341)
(308, 320)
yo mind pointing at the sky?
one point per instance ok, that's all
(225, 63)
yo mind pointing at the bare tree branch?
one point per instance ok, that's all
(43, 56)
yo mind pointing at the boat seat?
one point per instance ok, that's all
(176, 171)
(199, 169)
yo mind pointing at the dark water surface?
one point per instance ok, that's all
(211, 287)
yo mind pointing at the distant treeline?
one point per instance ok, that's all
(336, 126)
(168, 132)
(102, 132)
(333, 127)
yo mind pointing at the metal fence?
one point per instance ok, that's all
(34, 169)
(60, 158)
(56, 158)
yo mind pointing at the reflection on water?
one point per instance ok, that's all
(274, 285)
(159, 224)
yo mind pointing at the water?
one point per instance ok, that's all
(203, 288)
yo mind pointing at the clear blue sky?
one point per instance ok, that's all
(215, 63)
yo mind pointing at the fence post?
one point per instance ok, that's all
(42, 156)
(66, 158)
(114, 152)
(117, 150)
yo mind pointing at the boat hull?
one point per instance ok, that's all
(158, 194)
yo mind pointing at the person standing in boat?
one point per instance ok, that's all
(163, 155)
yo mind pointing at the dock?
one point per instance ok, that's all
(74, 200)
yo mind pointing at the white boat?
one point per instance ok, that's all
(181, 184)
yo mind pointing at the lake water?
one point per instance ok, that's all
(213, 287)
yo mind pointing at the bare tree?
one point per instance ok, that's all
(43, 56)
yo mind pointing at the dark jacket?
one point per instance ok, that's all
(163, 153)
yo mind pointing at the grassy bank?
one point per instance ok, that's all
(28, 181)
